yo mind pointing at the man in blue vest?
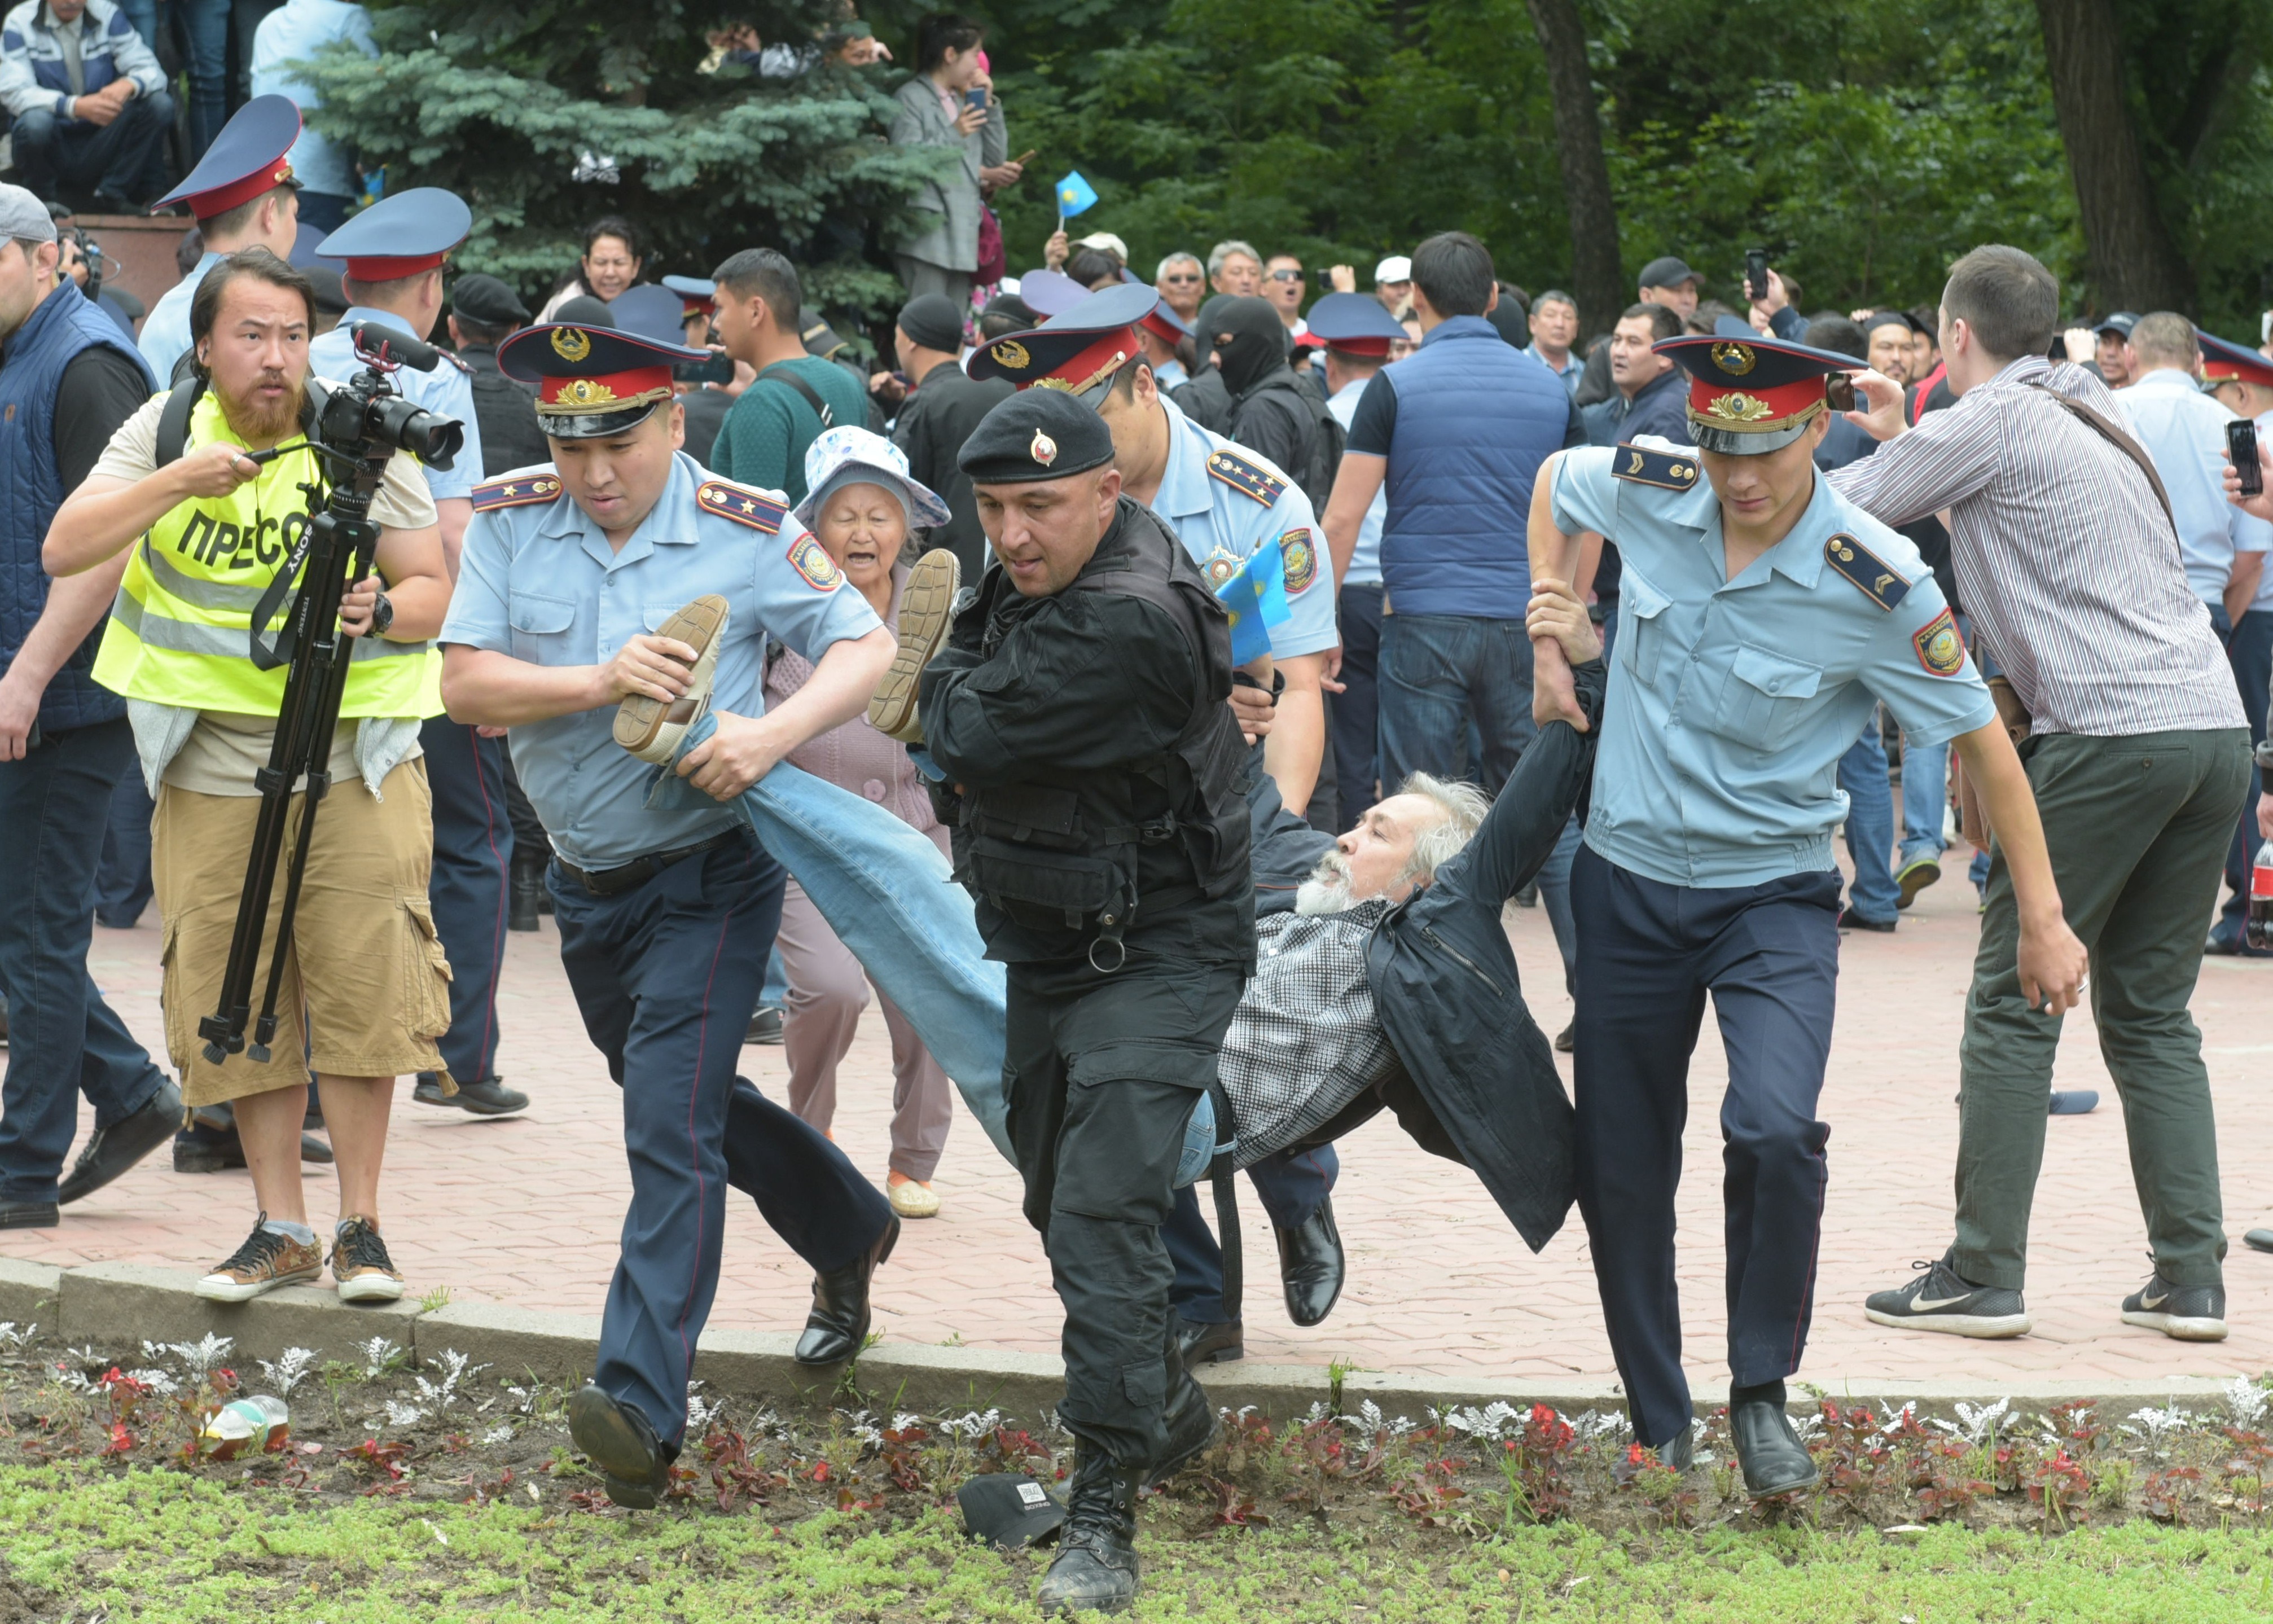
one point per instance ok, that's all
(1455, 433)
(69, 378)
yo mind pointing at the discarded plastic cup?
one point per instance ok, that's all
(256, 1425)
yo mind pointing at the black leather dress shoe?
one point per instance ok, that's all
(837, 1327)
(1680, 1452)
(1774, 1460)
(1311, 1265)
(29, 1215)
(1206, 1343)
(619, 1439)
(111, 1150)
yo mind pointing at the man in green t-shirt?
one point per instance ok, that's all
(795, 395)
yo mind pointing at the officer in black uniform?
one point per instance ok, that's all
(1077, 712)
(484, 313)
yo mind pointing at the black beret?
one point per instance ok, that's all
(1035, 435)
(487, 301)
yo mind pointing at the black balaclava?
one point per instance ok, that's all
(1259, 342)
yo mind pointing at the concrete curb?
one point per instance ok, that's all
(118, 1306)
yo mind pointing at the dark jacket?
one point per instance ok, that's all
(505, 409)
(1204, 398)
(1281, 422)
(933, 425)
(1446, 988)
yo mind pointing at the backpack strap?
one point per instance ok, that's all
(779, 373)
(174, 420)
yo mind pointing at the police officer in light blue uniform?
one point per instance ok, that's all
(394, 252)
(582, 582)
(1225, 503)
(244, 196)
(1761, 618)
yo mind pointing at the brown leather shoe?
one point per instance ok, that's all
(926, 607)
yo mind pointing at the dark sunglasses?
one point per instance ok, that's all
(1181, 276)
(1287, 276)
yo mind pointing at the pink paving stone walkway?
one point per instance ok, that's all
(526, 1211)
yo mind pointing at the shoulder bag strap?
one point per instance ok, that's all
(2115, 435)
(779, 373)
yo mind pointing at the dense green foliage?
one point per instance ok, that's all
(1864, 142)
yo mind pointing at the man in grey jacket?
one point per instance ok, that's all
(949, 103)
(89, 103)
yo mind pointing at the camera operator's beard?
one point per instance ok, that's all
(1327, 890)
(255, 423)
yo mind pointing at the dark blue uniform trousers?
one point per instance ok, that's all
(473, 865)
(1293, 1184)
(64, 1040)
(1648, 953)
(666, 976)
(2249, 648)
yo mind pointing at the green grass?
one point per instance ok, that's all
(161, 1546)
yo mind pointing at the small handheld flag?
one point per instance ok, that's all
(1256, 598)
(1075, 196)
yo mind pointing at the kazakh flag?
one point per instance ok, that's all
(1256, 598)
(1075, 195)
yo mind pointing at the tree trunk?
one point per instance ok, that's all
(2134, 265)
(1600, 285)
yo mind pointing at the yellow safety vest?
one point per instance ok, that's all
(180, 631)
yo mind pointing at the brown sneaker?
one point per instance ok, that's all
(360, 1264)
(264, 1262)
(651, 729)
(927, 606)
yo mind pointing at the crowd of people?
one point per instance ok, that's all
(1242, 652)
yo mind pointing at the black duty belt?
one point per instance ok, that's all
(639, 871)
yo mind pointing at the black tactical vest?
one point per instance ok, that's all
(1101, 851)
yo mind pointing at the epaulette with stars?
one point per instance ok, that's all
(516, 491)
(745, 504)
(1667, 470)
(1249, 479)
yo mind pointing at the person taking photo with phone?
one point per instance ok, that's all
(951, 103)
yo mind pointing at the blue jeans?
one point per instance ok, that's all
(1925, 801)
(894, 902)
(124, 158)
(205, 38)
(122, 884)
(64, 1040)
(2250, 650)
(1870, 824)
(1439, 674)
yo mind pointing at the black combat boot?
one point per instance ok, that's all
(526, 895)
(1095, 1568)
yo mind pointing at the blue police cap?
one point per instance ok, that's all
(1355, 322)
(1050, 292)
(1078, 353)
(247, 160)
(2225, 362)
(1749, 396)
(650, 312)
(695, 293)
(401, 235)
(593, 382)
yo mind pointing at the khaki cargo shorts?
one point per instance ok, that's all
(365, 968)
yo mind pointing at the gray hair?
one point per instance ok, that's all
(1181, 256)
(1222, 251)
(1464, 806)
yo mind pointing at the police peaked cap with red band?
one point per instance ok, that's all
(245, 160)
(1079, 353)
(695, 295)
(592, 382)
(1749, 396)
(401, 235)
(1355, 324)
(2225, 362)
(1162, 322)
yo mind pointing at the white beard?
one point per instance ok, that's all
(1327, 890)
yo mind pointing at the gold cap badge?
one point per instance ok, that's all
(571, 344)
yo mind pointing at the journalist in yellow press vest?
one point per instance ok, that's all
(195, 531)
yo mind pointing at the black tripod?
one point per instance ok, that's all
(337, 548)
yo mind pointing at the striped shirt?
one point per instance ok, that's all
(2064, 559)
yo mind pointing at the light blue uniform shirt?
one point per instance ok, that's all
(166, 329)
(2184, 432)
(1731, 701)
(447, 390)
(1170, 374)
(295, 33)
(1365, 562)
(1220, 523)
(539, 581)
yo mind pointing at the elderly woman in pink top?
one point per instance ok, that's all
(861, 506)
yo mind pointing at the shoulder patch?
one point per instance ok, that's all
(1939, 649)
(811, 560)
(1870, 574)
(1667, 470)
(517, 490)
(445, 354)
(1300, 554)
(1249, 478)
(746, 504)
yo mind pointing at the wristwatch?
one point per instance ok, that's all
(382, 614)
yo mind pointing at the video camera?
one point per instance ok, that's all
(360, 425)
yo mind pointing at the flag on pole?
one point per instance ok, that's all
(1256, 598)
(1075, 196)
